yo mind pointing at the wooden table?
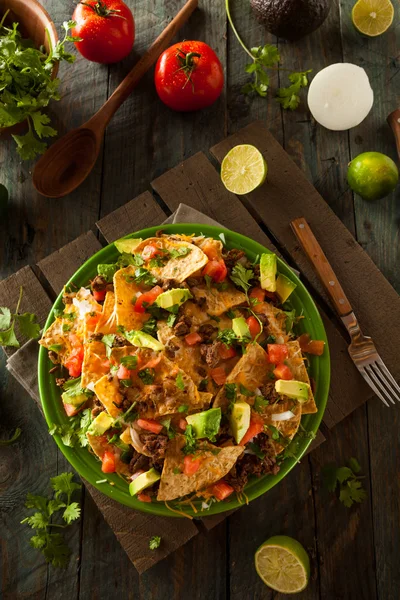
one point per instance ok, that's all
(354, 551)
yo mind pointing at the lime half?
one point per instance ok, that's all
(283, 564)
(372, 175)
(243, 169)
(372, 17)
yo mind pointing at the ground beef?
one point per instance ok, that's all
(154, 444)
(210, 353)
(263, 319)
(171, 349)
(207, 332)
(199, 301)
(202, 372)
(95, 337)
(269, 392)
(139, 462)
(232, 256)
(99, 284)
(182, 327)
(119, 341)
(53, 356)
(249, 464)
(60, 381)
(68, 297)
(97, 407)
(192, 281)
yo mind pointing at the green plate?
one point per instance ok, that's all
(88, 466)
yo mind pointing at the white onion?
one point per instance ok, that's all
(279, 339)
(205, 506)
(257, 392)
(90, 386)
(283, 416)
(136, 441)
(340, 96)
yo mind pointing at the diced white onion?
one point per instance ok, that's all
(205, 506)
(279, 339)
(257, 392)
(284, 416)
(222, 238)
(90, 386)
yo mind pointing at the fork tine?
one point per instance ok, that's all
(389, 376)
(371, 373)
(372, 385)
(376, 369)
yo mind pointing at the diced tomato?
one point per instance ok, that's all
(99, 295)
(311, 346)
(219, 375)
(182, 424)
(148, 297)
(150, 251)
(108, 462)
(123, 372)
(191, 465)
(74, 363)
(211, 249)
(106, 364)
(153, 362)
(193, 338)
(257, 293)
(144, 497)
(216, 269)
(226, 352)
(91, 321)
(256, 426)
(254, 326)
(72, 410)
(282, 371)
(150, 425)
(277, 353)
(221, 490)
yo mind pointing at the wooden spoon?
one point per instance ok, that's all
(68, 162)
(394, 122)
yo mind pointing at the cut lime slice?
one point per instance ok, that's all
(243, 169)
(283, 564)
(372, 17)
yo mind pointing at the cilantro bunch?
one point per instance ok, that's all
(268, 57)
(43, 521)
(27, 86)
(27, 323)
(347, 480)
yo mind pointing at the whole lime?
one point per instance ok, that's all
(372, 175)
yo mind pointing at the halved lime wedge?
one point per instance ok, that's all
(283, 564)
(372, 17)
(243, 169)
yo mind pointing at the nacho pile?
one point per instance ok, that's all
(186, 366)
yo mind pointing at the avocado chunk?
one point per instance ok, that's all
(205, 424)
(76, 400)
(143, 340)
(143, 481)
(127, 246)
(241, 329)
(172, 299)
(284, 287)
(293, 389)
(268, 272)
(100, 424)
(240, 420)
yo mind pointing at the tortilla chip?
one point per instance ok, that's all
(217, 462)
(125, 289)
(179, 268)
(276, 321)
(99, 445)
(287, 428)
(95, 363)
(296, 363)
(109, 395)
(218, 301)
(107, 322)
(188, 358)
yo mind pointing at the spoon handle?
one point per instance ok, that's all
(126, 86)
(394, 122)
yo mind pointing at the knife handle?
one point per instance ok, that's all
(394, 122)
(320, 263)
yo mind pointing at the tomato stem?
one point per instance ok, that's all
(101, 9)
(188, 64)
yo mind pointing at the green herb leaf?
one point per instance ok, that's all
(191, 443)
(180, 384)
(179, 252)
(144, 276)
(241, 277)
(171, 320)
(150, 327)
(147, 376)
(183, 408)
(154, 542)
(227, 336)
(5, 317)
(260, 403)
(107, 271)
(130, 362)
(289, 97)
(108, 341)
(350, 488)
(28, 325)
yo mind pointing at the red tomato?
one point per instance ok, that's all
(143, 497)
(221, 490)
(311, 346)
(123, 372)
(191, 465)
(256, 426)
(150, 425)
(99, 295)
(211, 249)
(257, 293)
(182, 424)
(254, 326)
(91, 322)
(149, 297)
(225, 352)
(108, 462)
(219, 375)
(150, 251)
(72, 410)
(216, 269)
(189, 76)
(277, 353)
(75, 359)
(283, 372)
(107, 30)
(193, 338)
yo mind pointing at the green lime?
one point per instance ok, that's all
(372, 17)
(372, 175)
(283, 564)
(243, 169)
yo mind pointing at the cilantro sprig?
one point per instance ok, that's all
(268, 57)
(241, 277)
(347, 480)
(52, 545)
(74, 432)
(154, 542)
(27, 322)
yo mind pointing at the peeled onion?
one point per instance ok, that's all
(283, 416)
(340, 96)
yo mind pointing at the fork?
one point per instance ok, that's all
(362, 349)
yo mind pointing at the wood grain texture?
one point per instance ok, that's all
(139, 213)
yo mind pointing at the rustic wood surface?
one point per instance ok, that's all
(355, 552)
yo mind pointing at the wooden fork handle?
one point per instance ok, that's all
(324, 270)
(394, 122)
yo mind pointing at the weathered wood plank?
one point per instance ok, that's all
(139, 213)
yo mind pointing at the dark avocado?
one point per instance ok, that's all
(291, 19)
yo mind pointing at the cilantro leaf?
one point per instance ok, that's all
(28, 325)
(191, 443)
(108, 341)
(150, 326)
(147, 376)
(179, 252)
(130, 362)
(354, 465)
(27, 322)
(227, 336)
(7, 338)
(350, 487)
(180, 384)
(154, 542)
(5, 317)
(72, 512)
(289, 97)
(144, 276)
(63, 484)
(241, 277)
(107, 271)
